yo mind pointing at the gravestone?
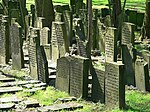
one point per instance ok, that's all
(42, 65)
(101, 37)
(62, 38)
(81, 47)
(4, 40)
(98, 84)
(54, 43)
(17, 43)
(63, 74)
(40, 22)
(128, 33)
(58, 17)
(48, 51)
(111, 44)
(146, 56)
(45, 36)
(33, 46)
(114, 85)
(79, 77)
(79, 29)
(142, 75)
(128, 57)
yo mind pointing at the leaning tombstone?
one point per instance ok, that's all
(79, 76)
(4, 40)
(17, 43)
(111, 45)
(114, 85)
(128, 57)
(42, 65)
(98, 83)
(128, 33)
(48, 49)
(45, 36)
(63, 74)
(142, 75)
(33, 46)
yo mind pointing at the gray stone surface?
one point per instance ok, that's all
(31, 103)
(7, 106)
(10, 89)
(13, 99)
(114, 85)
(111, 44)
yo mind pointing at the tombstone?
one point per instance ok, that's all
(98, 84)
(63, 74)
(40, 22)
(128, 33)
(54, 43)
(67, 15)
(1, 9)
(58, 17)
(111, 44)
(128, 57)
(4, 40)
(17, 43)
(81, 48)
(45, 36)
(79, 77)
(101, 37)
(79, 29)
(42, 65)
(107, 21)
(48, 51)
(62, 38)
(114, 85)
(33, 46)
(142, 75)
(146, 56)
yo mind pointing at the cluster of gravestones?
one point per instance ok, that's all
(65, 43)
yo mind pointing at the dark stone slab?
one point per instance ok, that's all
(31, 103)
(6, 79)
(10, 89)
(114, 85)
(64, 106)
(7, 106)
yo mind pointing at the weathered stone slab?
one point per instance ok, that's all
(69, 99)
(111, 44)
(6, 79)
(64, 106)
(48, 51)
(29, 86)
(17, 52)
(114, 85)
(13, 99)
(98, 84)
(40, 85)
(79, 76)
(7, 106)
(31, 103)
(45, 36)
(33, 90)
(127, 33)
(10, 89)
(142, 75)
(63, 74)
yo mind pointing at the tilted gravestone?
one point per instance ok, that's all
(142, 75)
(81, 47)
(114, 85)
(128, 57)
(45, 36)
(62, 38)
(111, 44)
(4, 40)
(54, 43)
(42, 65)
(17, 43)
(98, 84)
(127, 33)
(48, 51)
(63, 74)
(79, 77)
(33, 46)
(79, 29)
